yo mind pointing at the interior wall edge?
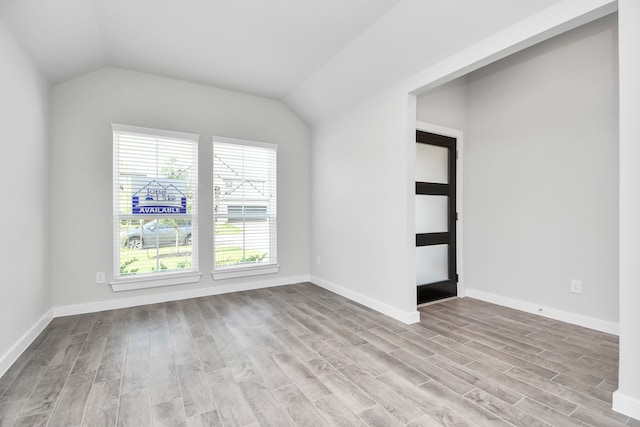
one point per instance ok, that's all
(402, 316)
(626, 405)
(545, 25)
(19, 347)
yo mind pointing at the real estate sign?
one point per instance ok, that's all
(158, 196)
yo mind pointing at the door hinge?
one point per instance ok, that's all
(457, 279)
(457, 154)
(456, 216)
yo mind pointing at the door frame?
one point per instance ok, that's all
(458, 134)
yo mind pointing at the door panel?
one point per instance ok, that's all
(435, 204)
(433, 161)
(432, 214)
(432, 264)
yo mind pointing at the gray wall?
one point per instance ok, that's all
(362, 184)
(445, 105)
(81, 161)
(24, 115)
(541, 174)
(540, 182)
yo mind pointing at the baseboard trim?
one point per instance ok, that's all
(552, 313)
(21, 345)
(93, 307)
(402, 316)
(626, 405)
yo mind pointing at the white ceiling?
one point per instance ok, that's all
(264, 47)
(309, 53)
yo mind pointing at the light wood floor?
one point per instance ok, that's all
(300, 355)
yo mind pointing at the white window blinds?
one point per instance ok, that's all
(155, 194)
(245, 219)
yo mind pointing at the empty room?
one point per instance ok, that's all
(387, 212)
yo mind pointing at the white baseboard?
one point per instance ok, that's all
(552, 313)
(93, 307)
(403, 316)
(19, 347)
(626, 405)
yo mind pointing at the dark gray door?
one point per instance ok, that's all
(436, 275)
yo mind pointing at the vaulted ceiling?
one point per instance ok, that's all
(315, 55)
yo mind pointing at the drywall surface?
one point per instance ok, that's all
(24, 126)
(412, 36)
(627, 398)
(541, 174)
(361, 193)
(445, 105)
(81, 214)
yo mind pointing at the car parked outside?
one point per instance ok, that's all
(158, 233)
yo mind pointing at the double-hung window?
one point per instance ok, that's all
(244, 208)
(155, 194)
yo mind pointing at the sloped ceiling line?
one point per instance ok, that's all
(316, 56)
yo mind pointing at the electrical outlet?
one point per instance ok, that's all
(101, 277)
(318, 260)
(576, 286)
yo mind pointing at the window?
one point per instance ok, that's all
(244, 208)
(155, 193)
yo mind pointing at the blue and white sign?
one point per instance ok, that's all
(159, 197)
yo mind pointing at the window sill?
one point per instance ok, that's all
(230, 273)
(154, 281)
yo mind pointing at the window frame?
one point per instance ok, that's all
(246, 270)
(154, 279)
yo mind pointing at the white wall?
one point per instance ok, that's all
(361, 187)
(541, 174)
(24, 124)
(412, 36)
(627, 398)
(81, 177)
(445, 105)
(511, 123)
(366, 144)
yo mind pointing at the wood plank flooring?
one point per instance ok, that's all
(302, 356)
